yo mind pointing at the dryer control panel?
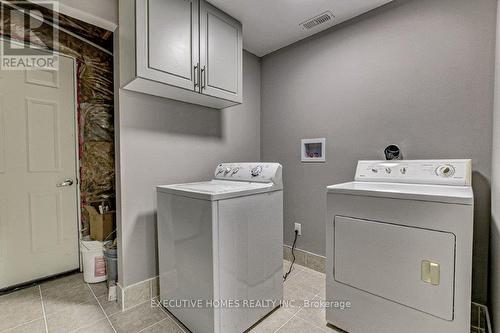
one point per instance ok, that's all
(250, 172)
(436, 172)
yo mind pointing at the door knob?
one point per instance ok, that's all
(67, 182)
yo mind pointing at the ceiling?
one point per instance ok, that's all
(269, 25)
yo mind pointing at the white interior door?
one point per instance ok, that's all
(38, 210)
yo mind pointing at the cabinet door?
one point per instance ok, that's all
(221, 53)
(168, 41)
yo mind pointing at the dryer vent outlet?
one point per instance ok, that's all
(317, 20)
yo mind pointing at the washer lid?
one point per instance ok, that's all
(218, 189)
(436, 193)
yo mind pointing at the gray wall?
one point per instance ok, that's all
(495, 196)
(164, 142)
(416, 73)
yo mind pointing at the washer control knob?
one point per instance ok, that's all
(235, 170)
(256, 171)
(374, 170)
(227, 170)
(388, 170)
(403, 170)
(445, 170)
(219, 171)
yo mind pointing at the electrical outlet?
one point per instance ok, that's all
(298, 227)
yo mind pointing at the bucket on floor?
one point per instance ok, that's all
(111, 261)
(94, 265)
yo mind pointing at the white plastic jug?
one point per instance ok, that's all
(94, 263)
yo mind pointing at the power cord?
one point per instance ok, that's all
(293, 255)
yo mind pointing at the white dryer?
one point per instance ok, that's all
(221, 247)
(399, 247)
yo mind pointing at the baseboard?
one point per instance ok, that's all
(143, 291)
(137, 293)
(308, 259)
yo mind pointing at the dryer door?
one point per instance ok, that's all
(411, 266)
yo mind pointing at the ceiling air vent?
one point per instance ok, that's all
(315, 21)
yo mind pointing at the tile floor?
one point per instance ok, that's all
(70, 305)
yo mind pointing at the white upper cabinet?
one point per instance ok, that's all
(220, 54)
(169, 38)
(185, 50)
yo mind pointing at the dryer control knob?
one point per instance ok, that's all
(445, 170)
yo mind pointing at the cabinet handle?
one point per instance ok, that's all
(203, 77)
(196, 79)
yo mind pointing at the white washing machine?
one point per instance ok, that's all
(221, 247)
(399, 247)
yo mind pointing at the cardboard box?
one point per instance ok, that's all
(101, 225)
